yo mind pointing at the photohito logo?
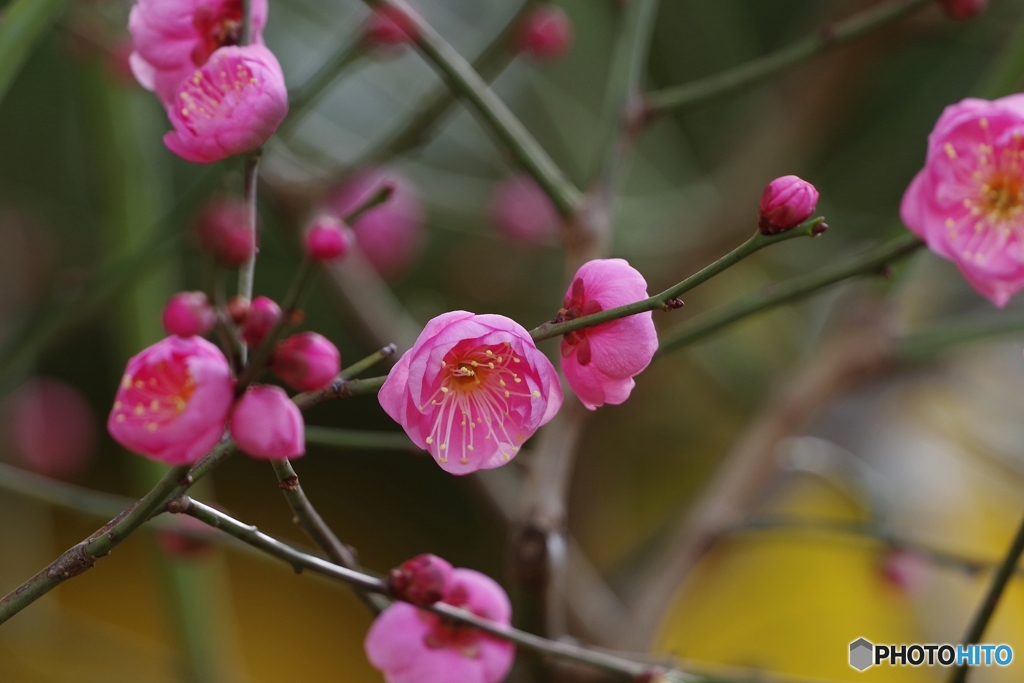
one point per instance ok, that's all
(864, 654)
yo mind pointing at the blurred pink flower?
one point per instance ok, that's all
(389, 25)
(222, 226)
(173, 401)
(786, 203)
(412, 646)
(967, 203)
(261, 316)
(230, 105)
(191, 542)
(188, 314)
(173, 37)
(390, 234)
(546, 33)
(306, 361)
(52, 427)
(600, 362)
(471, 390)
(421, 580)
(523, 212)
(963, 9)
(266, 424)
(326, 239)
(908, 570)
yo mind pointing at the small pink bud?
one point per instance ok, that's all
(306, 361)
(390, 26)
(224, 230)
(188, 314)
(523, 212)
(545, 33)
(327, 239)
(266, 424)
(51, 427)
(786, 203)
(263, 315)
(961, 10)
(238, 309)
(420, 580)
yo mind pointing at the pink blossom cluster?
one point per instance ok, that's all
(221, 97)
(410, 645)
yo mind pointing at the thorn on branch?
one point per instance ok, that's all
(72, 563)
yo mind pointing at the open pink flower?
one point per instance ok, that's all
(390, 234)
(173, 37)
(471, 390)
(230, 105)
(173, 401)
(967, 203)
(413, 646)
(600, 362)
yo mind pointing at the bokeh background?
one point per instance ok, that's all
(881, 491)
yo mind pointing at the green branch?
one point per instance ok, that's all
(666, 300)
(826, 38)
(461, 77)
(871, 261)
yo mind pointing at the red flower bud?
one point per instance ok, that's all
(238, 309)
(786, 203)
(420, 580)
(263, 315)
(223, 228)
(327, 239)
(545, 33)
(306, 361)
(188, 314)
(961, 10)
(390, 26)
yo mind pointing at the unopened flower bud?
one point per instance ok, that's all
(523, 212)
(327, 239)
(266, 424)
(961, 10)
(306, 361)
(188, 314)
(786, 203)
(545, 33)
(420, 580)
(263, 315)
(224, 230)
(390, 26)
(238, 309)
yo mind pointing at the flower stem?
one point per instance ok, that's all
(548, 330)
(462, 79)
(825, 38)
(774, 295)
(991, 600)
(300, 561)
(247, 272)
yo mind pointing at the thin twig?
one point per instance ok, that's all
(299, 561)
(461, 77)
(247, 272)
(825, 38)
(665, 300)
(991, 600)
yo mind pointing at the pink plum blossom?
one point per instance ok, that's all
(471, 390)
(173, 401)
(52, 427)
(260, 318)
(224, 230)
(545, 33)
(600, 362)
(786, 203)
(174, 37)
(266, 424)
(230, 105)
(422, 580)
(306, 361)
(390, 234)
(967, 203)
(188, 314)
(412, 646)
(326, 239)
(523, 212)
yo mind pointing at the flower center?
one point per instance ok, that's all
(156, 395)
(1003, 196)
(481, 387)
(202, 94)
(217, 28)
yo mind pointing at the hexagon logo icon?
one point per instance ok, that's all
(861, 654)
